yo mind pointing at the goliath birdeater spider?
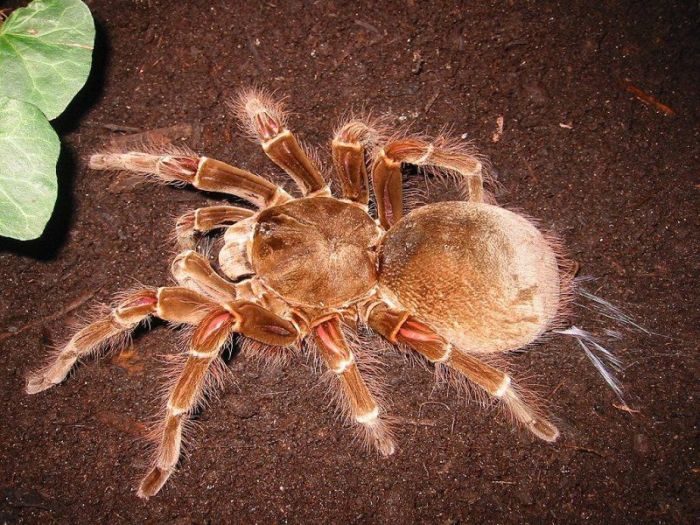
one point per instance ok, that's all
(455, 281)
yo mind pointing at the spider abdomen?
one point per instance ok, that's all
(484, 276)
(317, 251)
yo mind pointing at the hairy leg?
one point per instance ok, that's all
(210, 336)
(400, 327)
(206, 219)
(176, 304)
(193, 270)
(348, 149)
(362, 406)
(386, 172)
(266, 120)
(202, 172)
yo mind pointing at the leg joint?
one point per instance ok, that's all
(368, 417)
(342, 365)
(446, 355)
(503, 388)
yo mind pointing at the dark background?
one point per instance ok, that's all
(615, 177)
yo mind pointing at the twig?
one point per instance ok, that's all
(120, 128)
(416, 422)
(420, 408)
(159, 136)
(584, 449)
(77, 303)
(530, 171)
(20, 505)
(648, 99)
(431, 101)
(337, 63)
(625, 408)
(268, 395)
(555, 389)
(254, 51)
(369, 27)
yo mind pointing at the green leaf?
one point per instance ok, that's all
(30, 149)
(46, 53)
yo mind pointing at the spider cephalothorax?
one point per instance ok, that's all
(316, 252)
(455, 281)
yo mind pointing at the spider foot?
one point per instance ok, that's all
(378, 433)
(153, 482)
(529, 417)
(50, 376)
(38, 382)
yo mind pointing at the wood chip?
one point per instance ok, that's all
(120, 128)
(625, 408)
(121, 422)
(499, 129)
(585, 449)
(126, 180)
(648, 99)
(431, 101)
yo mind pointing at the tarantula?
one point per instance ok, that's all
(455, 281)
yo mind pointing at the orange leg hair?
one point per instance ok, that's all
(202, 172)
(266, 119)
(206, 219)
(348, 148)
(175, 304)
(400, 327)
(362, 406)
(386, 172)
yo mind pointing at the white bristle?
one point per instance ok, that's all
(611, 311)
(602, 358)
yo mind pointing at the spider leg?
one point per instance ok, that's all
(193, 270)
(398, 326)
(206, 219)
(362, 406)
(266, 119)
(386, 172)
(175, 304)
(209, 337)
(202, 172)
(348, 149)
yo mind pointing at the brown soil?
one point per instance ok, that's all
(614, 176)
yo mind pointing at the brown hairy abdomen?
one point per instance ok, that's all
(483, 276)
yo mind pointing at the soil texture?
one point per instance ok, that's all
(599, 142)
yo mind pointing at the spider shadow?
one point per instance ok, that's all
(47, 246)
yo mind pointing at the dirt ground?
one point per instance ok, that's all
(583, 149)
